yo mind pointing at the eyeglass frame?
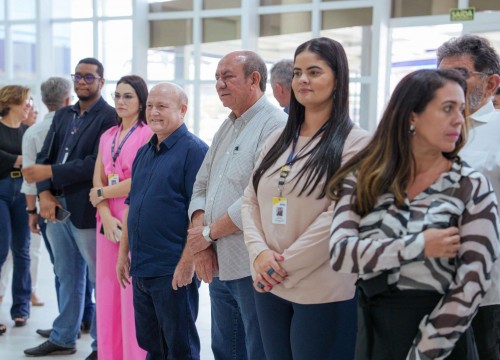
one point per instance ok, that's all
(466, 73)
(77, 77)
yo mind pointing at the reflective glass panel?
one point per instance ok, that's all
(171, 63)
(66, 54)
(2, 9)
(115, 52)
(282, 2)
(169, 6)
(24, 48)
(221, 28)
(114, 7)
(72, 8)
(221, 4)
(288, 23)
(22, 10)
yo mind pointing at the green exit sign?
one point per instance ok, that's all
(466, 14)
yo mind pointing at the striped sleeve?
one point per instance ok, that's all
(351, 254)
(439, 331)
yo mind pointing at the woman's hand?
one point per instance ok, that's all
(112, 228)
(269, 271)
(94, 199)
(441, 243)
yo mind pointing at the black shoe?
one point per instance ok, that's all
(46, 333)
(49, 348)
(92, 356)
(3, 329)
(85, 327)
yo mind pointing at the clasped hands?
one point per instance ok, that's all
(268, 271)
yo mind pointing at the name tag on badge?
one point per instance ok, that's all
(279, 210)
(113, 179)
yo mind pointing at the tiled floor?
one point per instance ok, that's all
(15, 340)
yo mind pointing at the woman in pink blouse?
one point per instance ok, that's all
(305, 310)
(117, 150)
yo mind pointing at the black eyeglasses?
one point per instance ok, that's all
(89, 78)
(466, 73)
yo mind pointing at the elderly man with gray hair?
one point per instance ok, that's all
(56, 93)
(281, 82)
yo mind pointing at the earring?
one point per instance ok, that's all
(412, 129)
(140, 108)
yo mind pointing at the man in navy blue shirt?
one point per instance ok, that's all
(155, 229)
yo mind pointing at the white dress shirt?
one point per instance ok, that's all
(483, 154)
(33, 140)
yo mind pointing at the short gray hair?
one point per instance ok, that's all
(483, 55)
(54, 91)
(282, 73)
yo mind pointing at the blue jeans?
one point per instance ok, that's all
(235, 327)
(15, 233)
(165, 318)
(89, 310)
(303, 332)
(73, 249)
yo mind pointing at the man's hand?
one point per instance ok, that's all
(122, 270)
(184, 271)
(195, 240)
(48, 204)
(206, 264)
(33, 223)
(37, 172)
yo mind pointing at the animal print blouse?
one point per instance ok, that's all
(390, 239)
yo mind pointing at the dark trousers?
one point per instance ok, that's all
(388, 325)
(486, 326)
(15, 234)
(304, 332)
(165, 318)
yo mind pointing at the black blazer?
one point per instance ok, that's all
(74, 177)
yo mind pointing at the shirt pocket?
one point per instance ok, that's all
(240, 167)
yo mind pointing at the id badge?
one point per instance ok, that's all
(279, 210)
(113, 179)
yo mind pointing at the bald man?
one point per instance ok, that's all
(155, 228)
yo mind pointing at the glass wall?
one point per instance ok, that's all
(183, 40)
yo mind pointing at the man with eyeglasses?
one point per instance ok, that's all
(63, 174)
(478, 61)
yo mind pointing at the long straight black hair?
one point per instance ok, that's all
(141, 90)
(326, 157)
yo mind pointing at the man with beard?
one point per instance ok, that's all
(63, 174)
(476, 59)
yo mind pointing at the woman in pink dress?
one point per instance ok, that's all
(117, 150)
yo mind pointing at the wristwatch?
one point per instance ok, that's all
(31, 212)
(99, 193)
(206, 234)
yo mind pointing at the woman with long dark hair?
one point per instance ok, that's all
(305, 310)
(118, 147)
(418, 226)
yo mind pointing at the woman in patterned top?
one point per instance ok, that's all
(418, 226)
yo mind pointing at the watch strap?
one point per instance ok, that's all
(31, 211)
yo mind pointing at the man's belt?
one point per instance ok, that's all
(16, 174)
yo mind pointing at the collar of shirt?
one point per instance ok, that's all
(171, 139)
(483, 114)
(250, 113)
(76, 108)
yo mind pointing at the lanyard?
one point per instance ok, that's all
(114, 154)
(292, 157)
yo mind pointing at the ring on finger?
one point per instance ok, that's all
(260, 285)
(270, 271)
